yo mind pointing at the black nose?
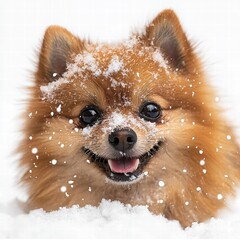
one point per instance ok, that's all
(123, 139)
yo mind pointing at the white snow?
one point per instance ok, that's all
(229, 137)
(34, 150)
(54, 162)
(48, 90)
(111, 220)
(87, 130)
(59, 108)
(198, 189)
(202, 162)
(157, 57)
(115, 65)
(83, 61)
(130, 42)
(219, 196)
(107, 20)
(161, 183)
(63, 189)
(118, 119)
(90, 63)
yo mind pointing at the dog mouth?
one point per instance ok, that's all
(125, 168)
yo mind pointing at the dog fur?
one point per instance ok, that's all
(197, 166)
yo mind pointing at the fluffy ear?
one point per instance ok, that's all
(166, 33)
(58, 45)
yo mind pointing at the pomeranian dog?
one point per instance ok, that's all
(135, 122)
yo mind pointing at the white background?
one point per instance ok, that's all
(213, 24)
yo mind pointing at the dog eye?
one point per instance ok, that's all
(89, 115)
(150, 111)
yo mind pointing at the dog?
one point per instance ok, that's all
(135, 122)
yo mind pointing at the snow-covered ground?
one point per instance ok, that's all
(214, 24)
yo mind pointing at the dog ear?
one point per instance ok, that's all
(165, 32)
(57, 47)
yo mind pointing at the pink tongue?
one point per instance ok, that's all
(123, 166)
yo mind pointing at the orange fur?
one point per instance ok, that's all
(191, 189)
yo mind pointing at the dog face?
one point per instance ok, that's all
(126, 104)
(138, 114)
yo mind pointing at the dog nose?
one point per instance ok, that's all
(123, 139)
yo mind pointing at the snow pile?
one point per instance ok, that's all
(112, 220)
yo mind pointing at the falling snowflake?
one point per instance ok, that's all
(219, 196)
(53, 162)
(229, 137)
(161, 183)
(34, 150)
(63, 189)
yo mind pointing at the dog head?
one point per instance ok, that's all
(135, 112)
(127, 109)
(134, 121)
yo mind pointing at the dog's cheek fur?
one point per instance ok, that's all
(198, 163)
(57, 140)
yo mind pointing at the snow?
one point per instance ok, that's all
(112, 220)
(87, 131)
(161, 184)
(47, 90)
(59, 108)
(106, 20)
(34, 150)
(81, 62)
(202, 162)
(198, 189)
(115, 65)
(219, 196)
(118, 119)
(54, 162)
(63, 189)
(90, 63)
(157, 56)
